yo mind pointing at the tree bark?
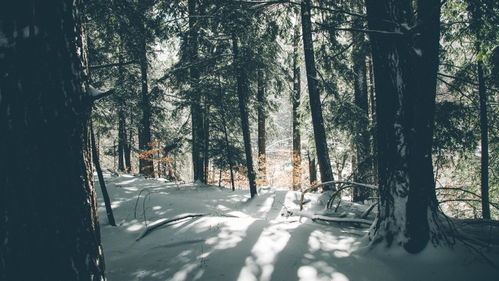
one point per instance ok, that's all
(48, 221)
(484, 143)
(206, 142)
(312, 168)
(361, 135)
(374, 141)
(102, 182)
(196, 114)
(314, 95)
(146, 166)
(295, 99)
(242, 93)
(121, 141)
(128, 151)
(261, 115)
(405, 68)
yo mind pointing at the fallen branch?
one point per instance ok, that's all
(314, 217)
(366, 212)
(313, 187)
(155, 225)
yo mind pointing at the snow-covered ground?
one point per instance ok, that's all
(240, 239)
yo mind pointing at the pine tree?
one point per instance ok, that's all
(48, 198)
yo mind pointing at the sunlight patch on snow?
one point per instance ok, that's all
(135, 227)
(260, 265)
(128, 182)
(310, 273)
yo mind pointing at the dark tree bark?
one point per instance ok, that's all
(146, 166)
(374, 135)
(48, 221)
(121, 141)
(229, 155)
(475, 8)
(242, 93)
(196, 110)
(484, 143)
(206, 142)
(405, 66)
(128, 151)
(363, 166)
(261, 115)
(295, 99)
(102, 182)
(226, 137)
(312, 168)
(314, 95)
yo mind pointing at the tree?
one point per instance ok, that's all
(361, 134)
(261, 115)
(475, 8)
(196, 110)
(314, 95)
(242, 94)
(48, 199)
(295, 99)
(405, 49)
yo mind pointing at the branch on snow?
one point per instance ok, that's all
(314, 187)
(157, 224)
(314, 217)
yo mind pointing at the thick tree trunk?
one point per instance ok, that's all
(242, 93)
(196, 110)
(48, 214)
(314, 95)
(262, 157)
(484, 142)
(362, 172)
(405, 68)
(146, 166)
(295, 99)
(102, 182)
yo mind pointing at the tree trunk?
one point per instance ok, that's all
(374, 142)
(262, 157)
(405, 70)
(242, 93)
(196, 114)
(206, 142)
(362, 170)
(295, 98)
(484, 142)
(121, 140)
(48, 221)
(226, 137)
(128, 151)
(105, 194)
(312, 168)
(314, 95)
(146, 166)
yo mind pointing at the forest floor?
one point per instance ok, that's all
(237, 239)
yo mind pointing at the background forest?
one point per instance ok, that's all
(174, 112)
(249, 140)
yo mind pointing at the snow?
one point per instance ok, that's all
(241, 239)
